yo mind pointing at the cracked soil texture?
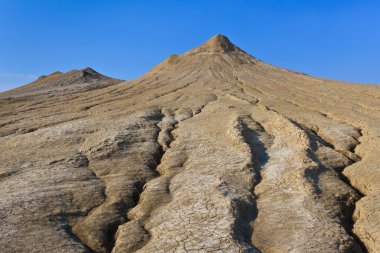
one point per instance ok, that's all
(212, 150)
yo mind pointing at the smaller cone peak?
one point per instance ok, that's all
(88, 70)
(220, 42)
(217, 44)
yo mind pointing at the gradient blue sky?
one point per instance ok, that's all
(124, 39)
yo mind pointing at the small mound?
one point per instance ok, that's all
(59, 83)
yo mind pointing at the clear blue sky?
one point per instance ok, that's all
(124, 39)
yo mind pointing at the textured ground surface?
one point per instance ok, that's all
(211, 151)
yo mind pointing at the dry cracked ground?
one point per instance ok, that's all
(210, 151)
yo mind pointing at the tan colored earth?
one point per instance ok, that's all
(210, 151)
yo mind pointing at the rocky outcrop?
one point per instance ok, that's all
(210, 151)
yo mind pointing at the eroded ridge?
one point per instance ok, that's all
(124, 160)
(299, 176)
(133, 235)
(218, 208)
(254, 142)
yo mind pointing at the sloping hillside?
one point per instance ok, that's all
(210, 151)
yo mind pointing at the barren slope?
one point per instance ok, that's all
(59, 83)
(212, 150)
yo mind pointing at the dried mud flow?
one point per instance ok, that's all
(212, 150)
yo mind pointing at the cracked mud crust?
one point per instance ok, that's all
(210, 151)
